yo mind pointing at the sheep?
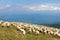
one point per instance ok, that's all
(58, 34)
(33, 30)
(7, 24)
(37, 32)
(14, 24)
(51, 32)
(29, 29)
(18, 27)
(26, 25)
(40, 30)
(1, 22)
(22, 30)
(45, 31)
(48, 31)
(55, 33)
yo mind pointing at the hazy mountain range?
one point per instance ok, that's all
(30, 17)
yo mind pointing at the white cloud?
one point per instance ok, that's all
(4, 7)
(42, 8)
(30, 7)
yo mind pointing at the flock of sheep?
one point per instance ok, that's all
(37, 29)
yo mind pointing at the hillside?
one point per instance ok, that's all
(11, 32)
(57, 25)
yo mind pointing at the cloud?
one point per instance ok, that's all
(4, 7)
(42, 8)
(30, 7)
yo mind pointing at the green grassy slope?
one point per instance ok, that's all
(13, 34)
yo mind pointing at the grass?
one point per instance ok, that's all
(13, 34)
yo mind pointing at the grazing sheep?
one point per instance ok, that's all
(48, 32)
(33, 30)
(14, 25)
(37, 32)
(40, 30)
(22, 30)
(58, 34)
(26, 25)
(55, 33)
(7, 24)
(51, 32)
(30, 30)
(45, 31)
(1, 22)
(18, 27)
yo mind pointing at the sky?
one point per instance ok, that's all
(28, 1)
(30, 5)
(43, 7)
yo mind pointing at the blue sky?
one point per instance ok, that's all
(29, 1)
(30, 5)
(43, 7)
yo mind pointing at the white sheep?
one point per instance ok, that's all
(1, 21)
(22, 30)
(51, 32)
(33, 29)
(18, 27)
(30, 30)
(55, 33)
(6, 24)
(45, 31)
(37, 32)
(40, 30)
(58, 34)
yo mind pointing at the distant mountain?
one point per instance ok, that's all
(57, 25)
